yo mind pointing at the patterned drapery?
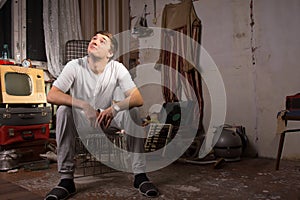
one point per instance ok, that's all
(181, 56)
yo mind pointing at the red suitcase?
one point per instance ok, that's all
(17, 134)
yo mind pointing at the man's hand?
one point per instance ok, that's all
(104, 118)
(90, 113)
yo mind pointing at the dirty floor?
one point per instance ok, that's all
(253, 178)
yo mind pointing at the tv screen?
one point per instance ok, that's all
(18, 84)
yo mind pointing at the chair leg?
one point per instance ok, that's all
(280, 147)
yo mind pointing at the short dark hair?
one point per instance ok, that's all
(113, 41)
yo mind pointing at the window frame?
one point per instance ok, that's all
(19, 29)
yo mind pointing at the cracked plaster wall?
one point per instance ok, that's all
(256, 46)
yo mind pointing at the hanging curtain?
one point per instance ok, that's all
(181, 18)
(92, 17)
(110, 15)
(61, 23)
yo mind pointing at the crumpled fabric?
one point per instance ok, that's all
(281, 125)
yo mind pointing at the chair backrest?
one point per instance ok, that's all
(292, 102)
(75, 49)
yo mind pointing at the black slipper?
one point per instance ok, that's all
(59, 193)
(148, 189)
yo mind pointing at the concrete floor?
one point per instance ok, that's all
(244, 179)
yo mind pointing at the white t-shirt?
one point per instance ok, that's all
(98, 90)
(118, 95)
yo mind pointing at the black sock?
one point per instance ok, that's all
(139, 178)
(68, 184)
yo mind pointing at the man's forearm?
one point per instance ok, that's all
(133, 100)
(58, 97)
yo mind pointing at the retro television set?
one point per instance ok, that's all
(21, 85)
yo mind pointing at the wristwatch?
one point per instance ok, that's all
(116, 108)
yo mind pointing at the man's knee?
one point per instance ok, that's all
(63, 111)
(64, 116)
(135, 115)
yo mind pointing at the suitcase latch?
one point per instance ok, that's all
(6, 116)
(11, 132)
(44, 129)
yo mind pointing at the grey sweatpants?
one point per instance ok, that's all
(66, 135)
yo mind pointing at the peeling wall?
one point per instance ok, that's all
(277, 33)
(256, 46)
